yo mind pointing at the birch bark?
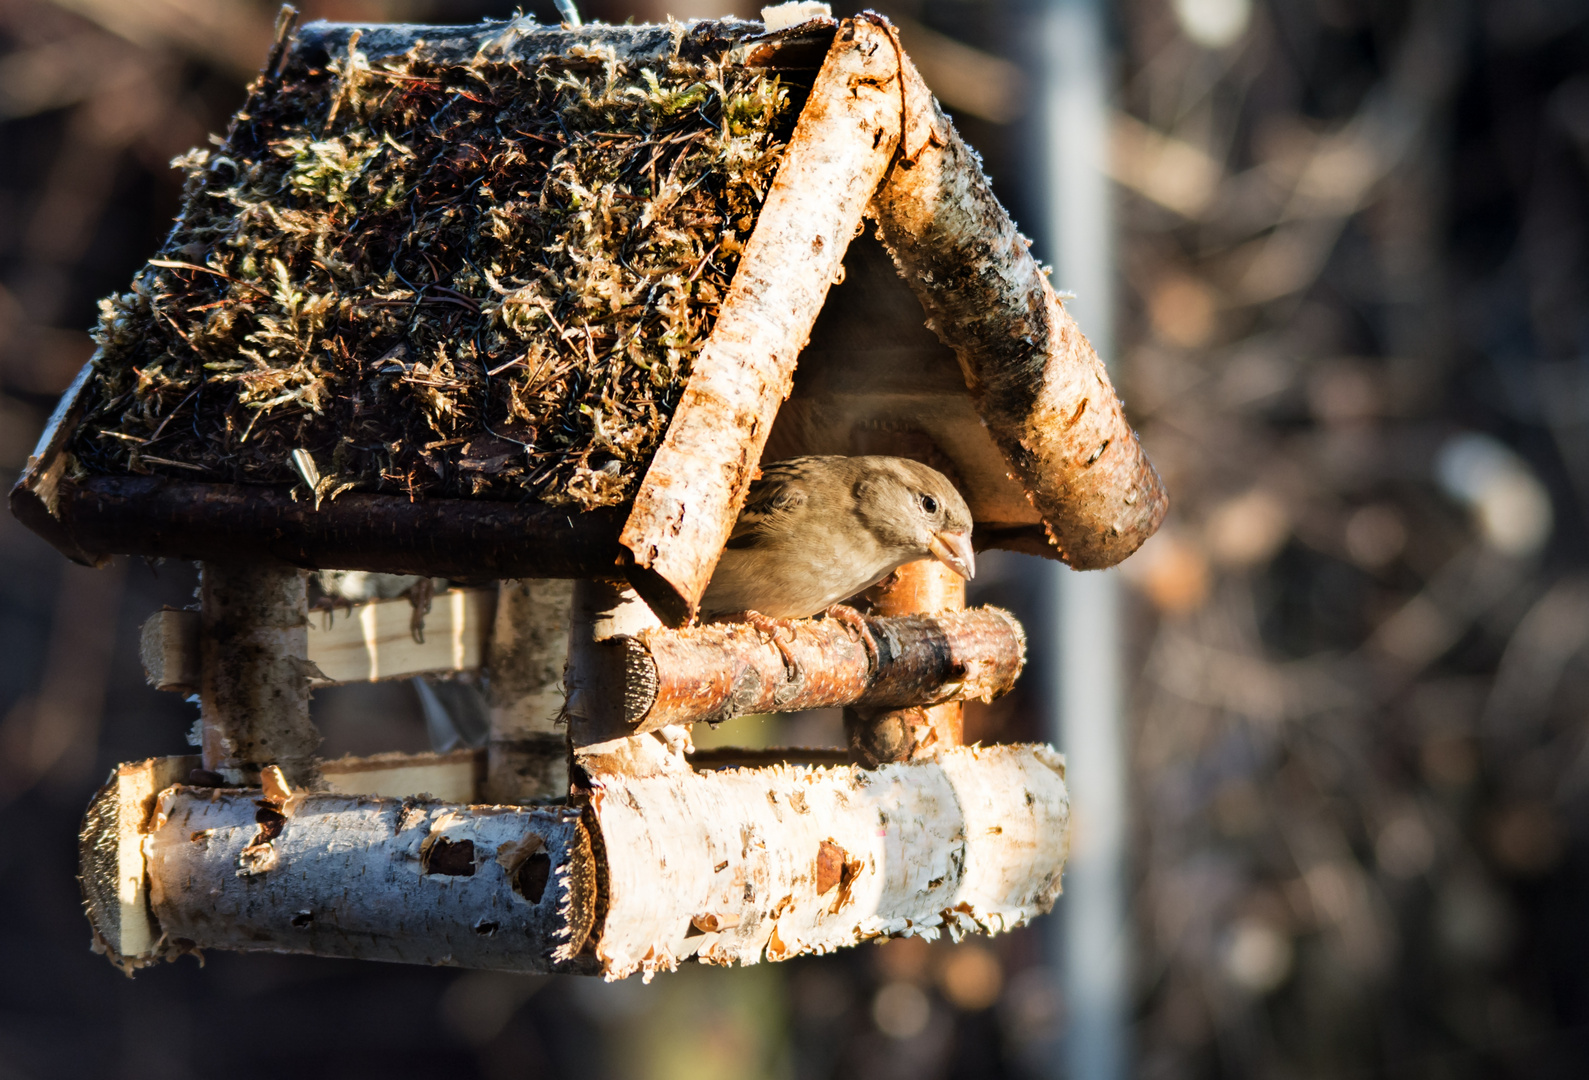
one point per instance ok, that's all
(1037, 383)
(696, 483)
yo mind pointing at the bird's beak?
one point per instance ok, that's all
(953, 549)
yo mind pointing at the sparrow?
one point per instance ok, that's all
(817, 530)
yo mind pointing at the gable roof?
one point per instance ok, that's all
(1032, 430)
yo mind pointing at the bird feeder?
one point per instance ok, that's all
(520, 307)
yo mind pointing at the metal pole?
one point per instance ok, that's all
(1092, 933)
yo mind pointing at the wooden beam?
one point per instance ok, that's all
(368, 643)
(742, 865)
(717, 672)
(410, 880)
(527, 749)
(467, 540)
(696, 484)
(972, 841)
(1038, 385)
(883, 731)
(254, 671)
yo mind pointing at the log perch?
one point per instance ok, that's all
(717, 672)
(406, 880)
(772, 863)
(1037, 383)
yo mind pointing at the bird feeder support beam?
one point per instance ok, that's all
(527, 753)
(255, 672)
(877, 736)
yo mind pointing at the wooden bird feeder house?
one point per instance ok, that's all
(519, 307)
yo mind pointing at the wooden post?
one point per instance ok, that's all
(879, 736)
(255, 671)
(598, 679)
(527, 756)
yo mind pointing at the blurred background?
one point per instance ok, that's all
(1351, 258)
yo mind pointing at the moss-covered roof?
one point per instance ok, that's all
(480, 268)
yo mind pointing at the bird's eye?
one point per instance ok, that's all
(929, 504)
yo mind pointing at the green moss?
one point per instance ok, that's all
(480, 279)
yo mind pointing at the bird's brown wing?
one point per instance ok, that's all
(780, 491)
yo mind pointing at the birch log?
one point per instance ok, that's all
(467, 540)
(1037, 383)
(407, 880)
(110, 859)
(599, 682)
(697, 482)
(717, 672)
(255, 671)
(783, 861)
(880, 731)
(527, 754)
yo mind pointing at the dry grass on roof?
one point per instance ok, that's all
(482, 279)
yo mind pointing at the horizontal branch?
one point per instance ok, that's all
(716, 672)
(406, 880)
(470, 540)
(730, 866)
(749, 864)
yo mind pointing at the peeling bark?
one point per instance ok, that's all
(697, 482)
(783, 861)
(527, 754)
(717, 672)
(1037, 383)
(407, 880)
(255, 672)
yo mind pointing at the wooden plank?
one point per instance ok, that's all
(369, 643)
(453, 777)
(375, 640)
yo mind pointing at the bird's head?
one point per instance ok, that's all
(913, 507)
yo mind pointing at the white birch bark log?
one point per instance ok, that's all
(255, 671)
(737, 865)
(697, 482)
(527, 753)
(1038, 385)
(406, 880)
